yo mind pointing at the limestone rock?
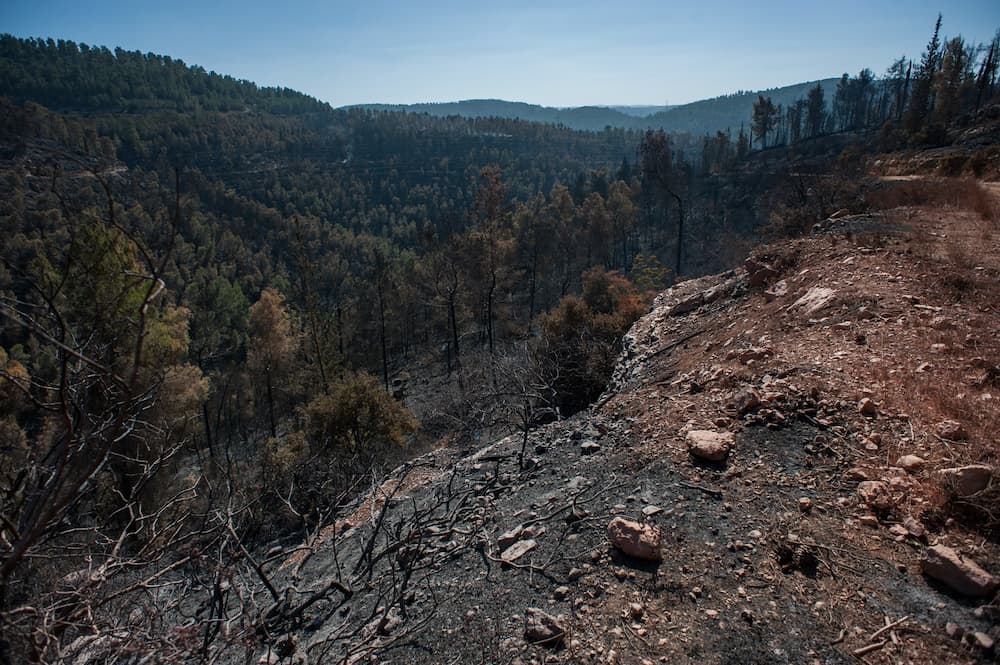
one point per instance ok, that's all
(709, 445)
(641, 541)
(815, 299)
(543, 628)
(966, 480)
(911, 463)
(962, 575)
(518, 550)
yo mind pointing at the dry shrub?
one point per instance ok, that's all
(960, 193)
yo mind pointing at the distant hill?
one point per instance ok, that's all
(587, 118)
(701, 117)
(729, 111)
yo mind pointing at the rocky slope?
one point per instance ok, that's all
(793, 464)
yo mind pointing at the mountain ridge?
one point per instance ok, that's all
(725, 112)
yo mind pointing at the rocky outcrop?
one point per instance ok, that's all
(960, 574)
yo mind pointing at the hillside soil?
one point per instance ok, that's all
(841, 373)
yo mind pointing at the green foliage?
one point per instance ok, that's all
(584, 335)
(649, 274)
(357, 417)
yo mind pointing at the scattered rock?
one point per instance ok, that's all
(778, 290)
(745, 401)
(947, 566)
(951, 430)
(589, 448)
(915, 527)
(981, 640)
(966, 480)
(636, 611)
(758, 272)
(753, 354)
(650, 511)
(911, 463)
(508, 538)
(805, 505)
(814, 300)
(954, 631)
(708, 445)
(641, 541)
(876, 494)
(518, 550)
(543, 628)
(867, 407)
(855, 474)
(561, 593)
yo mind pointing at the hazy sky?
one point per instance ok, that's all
(552, 53)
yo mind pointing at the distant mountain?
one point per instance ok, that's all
(701, 117)
(641, 110)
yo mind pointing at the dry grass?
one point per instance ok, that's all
(956, 193)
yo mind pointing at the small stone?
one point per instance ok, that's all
(650, 511)
(805, 505)
(965, 481)
(947, 566)
(981, 640)
(712, 614)
(915, 527)
(855, 474)
(899, 530)
(575, 574)
(867, 407)
(508, 538)
(951, 430)
(518, 550)
(869, 520)
(953, 630)
(589, 448)
(876, 494)
(745, 401)
(708, 445)
(542, 628)
(641, 541)
(561, 593)
(911, 463)
(636, 611)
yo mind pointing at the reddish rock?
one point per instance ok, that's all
(960, 574)
(876, 494)
(708, 445)
(641, 541)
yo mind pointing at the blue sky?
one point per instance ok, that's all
(552, 53)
